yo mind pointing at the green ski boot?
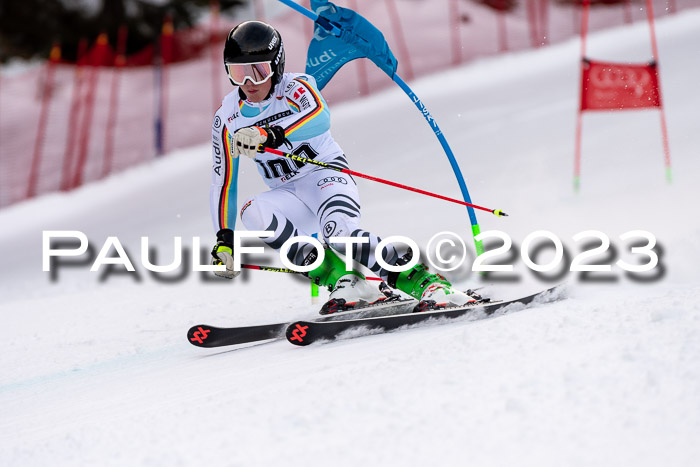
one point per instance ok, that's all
(431, 290)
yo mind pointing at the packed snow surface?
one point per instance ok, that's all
(96, 368)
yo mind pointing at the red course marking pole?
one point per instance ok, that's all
(46, 95)
(73, 116)
(97, 60)
(119, 62)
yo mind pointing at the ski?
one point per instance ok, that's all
(204, 335)
(306, 332)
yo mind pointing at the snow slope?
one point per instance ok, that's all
(98, 371)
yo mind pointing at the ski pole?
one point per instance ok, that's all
(269, 268)
(288, 271)
(497, 212)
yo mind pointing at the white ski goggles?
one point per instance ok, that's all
(257, 73)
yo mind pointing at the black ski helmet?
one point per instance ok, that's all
(255, 41)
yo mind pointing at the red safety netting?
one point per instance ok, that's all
(62, 125)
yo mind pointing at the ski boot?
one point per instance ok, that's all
(353, 292)
(349, 289)
(432, 291)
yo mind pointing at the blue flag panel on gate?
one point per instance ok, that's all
(359, 38)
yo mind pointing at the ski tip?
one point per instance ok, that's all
(297, 333)
(198, 335)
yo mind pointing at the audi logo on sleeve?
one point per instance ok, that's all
(332, 180)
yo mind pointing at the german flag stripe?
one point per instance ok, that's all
(293, 105)
(223, 199)
(319, 108)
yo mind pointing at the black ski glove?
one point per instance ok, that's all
(275, 137)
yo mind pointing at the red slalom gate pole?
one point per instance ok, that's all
(664, 129)
(304, 160)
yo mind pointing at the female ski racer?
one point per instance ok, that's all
(269, 108)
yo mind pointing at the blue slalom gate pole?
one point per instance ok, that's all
(476, 230)
(334, 29)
